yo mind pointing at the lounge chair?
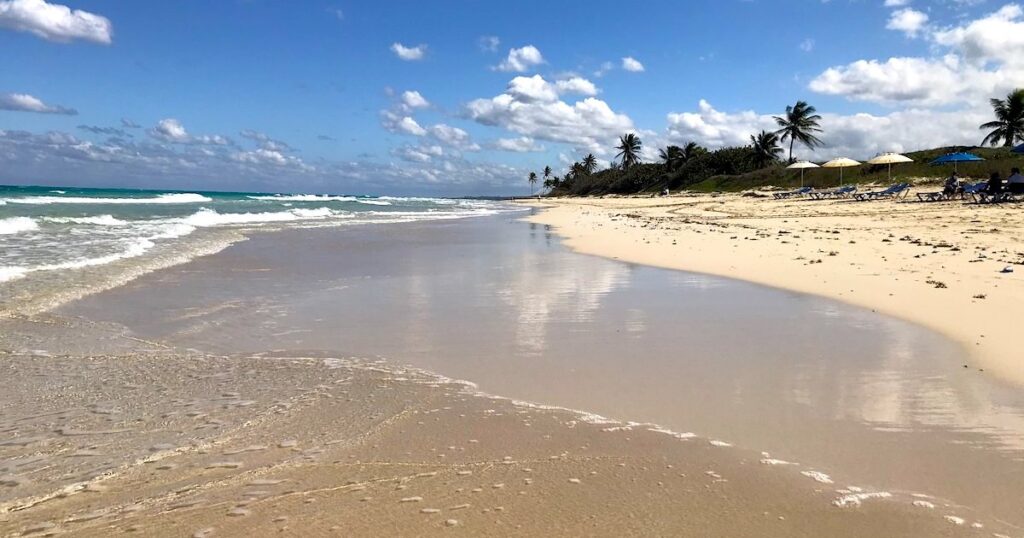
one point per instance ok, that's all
(971, 190)
(898, 190)
(983, 197)
(791, 194)
(841, 192)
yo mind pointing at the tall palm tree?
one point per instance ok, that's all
(691, 150)
(766, 148)
(533, 181)
(1009, 124)
(579, 169)
(672, 156)
(547, 172)
(799, 125)
(590, 163)
(629, 149)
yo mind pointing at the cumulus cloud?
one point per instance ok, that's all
(170, 130)
(908, 20)
(631, 64)
(527, 108)
(127, 123)
(521, 59)
(896, 3)
(577, 85)
(409, 54)
(264, 141)
(111, 131)
(23, 102)
(55, 22)
(397, 123)
(975, 60)
(520, 144)
(453, 137)
(413, 99)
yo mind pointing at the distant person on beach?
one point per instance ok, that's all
(1015, 183)
(995, 184)
(952, 185)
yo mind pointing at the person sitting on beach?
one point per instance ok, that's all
(1015, 183)
(952, 185)
(995, 184)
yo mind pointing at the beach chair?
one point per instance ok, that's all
(790, 194)
(937, 196)
(841, 192)
(898, 190)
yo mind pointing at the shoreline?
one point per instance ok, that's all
(889, 261)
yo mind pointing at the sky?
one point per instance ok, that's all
(466, 97)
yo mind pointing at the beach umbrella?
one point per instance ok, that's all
(840, 163)
(802, 165)
(890, 159)
(956, 158)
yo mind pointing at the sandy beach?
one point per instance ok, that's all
(259, 391)
(938, 264)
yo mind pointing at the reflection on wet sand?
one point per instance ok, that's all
(867, 398)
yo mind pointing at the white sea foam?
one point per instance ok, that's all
(855, 499)
(99, 220)
(15, 225)
(169, 198)
(373, 202)
(208, 217)
(303, 198)
(441, 201)
(11, 273)
(817, 476)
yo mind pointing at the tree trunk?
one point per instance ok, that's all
(791, 140)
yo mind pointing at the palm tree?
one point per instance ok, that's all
(672, 156)
(691, 150)
(533, 181)
(1009, 124)
(629, 149)
(766, 148)
(799, 125)
(579, 169)
(590, 163)
(547, 172)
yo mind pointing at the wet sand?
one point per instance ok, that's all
(285, 383)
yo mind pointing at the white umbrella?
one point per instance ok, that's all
(840, 163)
(802, 165)
(890, 159)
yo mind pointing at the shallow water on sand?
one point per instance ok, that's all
(867, 399)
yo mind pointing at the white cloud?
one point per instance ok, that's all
(170, 130)
(907, 20)
(413, 99)
(453, 137)
(807, 45)
(535, 88)
(896, 3)
(521, 59)
(261, 156)
(55, 22)
(589, 125)
(577, 85)
(520, 144)
(998, 37)
(604, 69)
(409, 53)
(714, 129)
(23, 102)
(631, 64)
(983, 58)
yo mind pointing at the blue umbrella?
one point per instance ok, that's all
(1019, 149)
(956, 158)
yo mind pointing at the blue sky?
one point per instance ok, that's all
(310, 96)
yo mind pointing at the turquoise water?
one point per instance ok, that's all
(50, 235)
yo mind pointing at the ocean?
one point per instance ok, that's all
(58, 243)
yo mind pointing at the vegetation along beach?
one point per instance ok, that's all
(463, 269)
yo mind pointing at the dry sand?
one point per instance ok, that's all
(103, 434)
(937, 264)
